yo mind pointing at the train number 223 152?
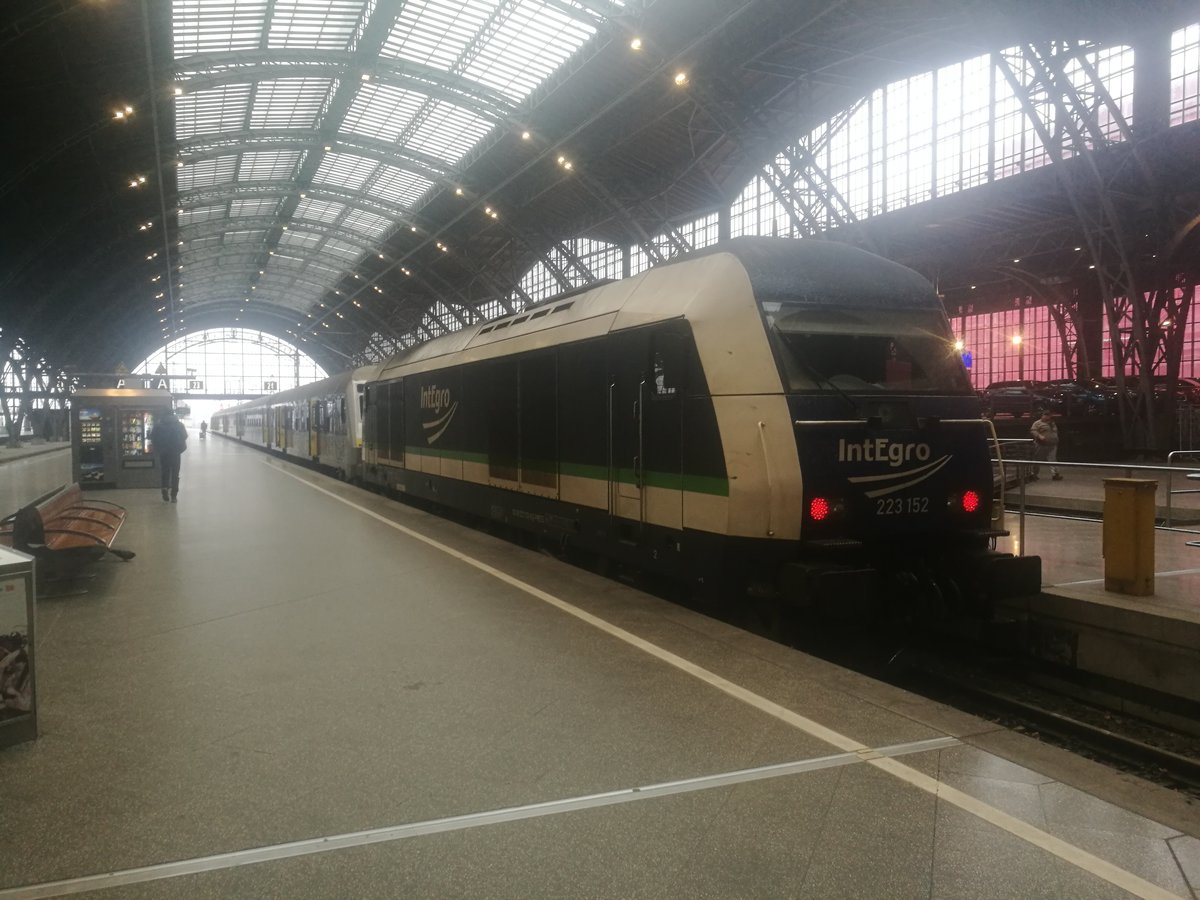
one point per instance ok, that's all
(898, 506)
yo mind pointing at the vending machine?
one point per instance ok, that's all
(110, 436)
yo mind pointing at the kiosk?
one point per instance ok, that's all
(18, 696)
(110, 436)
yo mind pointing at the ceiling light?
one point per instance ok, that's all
(635, 44)
(178, 91)
(525, 135)
(1017, 260)
(681, 79)
(458, 191)
(365, 76)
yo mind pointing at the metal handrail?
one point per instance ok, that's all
(1022, 466)
(1171, 465)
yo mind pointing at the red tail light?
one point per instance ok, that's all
(970, 501)
(818, 509)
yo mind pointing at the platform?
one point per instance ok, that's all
(302, 689)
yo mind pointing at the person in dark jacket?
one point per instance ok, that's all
(168, 437)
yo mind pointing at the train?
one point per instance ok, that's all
(787, 415)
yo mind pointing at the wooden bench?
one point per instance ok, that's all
(64, 530)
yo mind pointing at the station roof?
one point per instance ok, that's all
(328, 170)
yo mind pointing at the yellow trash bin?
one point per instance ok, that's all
(1129, 535)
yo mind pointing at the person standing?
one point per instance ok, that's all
(168, 437)
(1045, 442)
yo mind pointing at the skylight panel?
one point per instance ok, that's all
(200, 214)
(400, 186)
(527, 48)
(207, 173)
(199, 247)
(365, 223)
(245, 237)
(382, 111)
(343, 170)
(253, 207)
(268, 166)
(205, 26)
(313, 24)
(310, 210)
(211, 111)
(437, 32)
(289, 102)
(449, 131)
(348, 253)
(299, 242)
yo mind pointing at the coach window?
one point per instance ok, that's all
(669, 360)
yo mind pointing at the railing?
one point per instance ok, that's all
(1192, 476)
(1023, 467)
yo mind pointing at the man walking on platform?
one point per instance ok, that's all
(1045, 442)
(168, 437)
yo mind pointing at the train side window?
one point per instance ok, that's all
(669, 360)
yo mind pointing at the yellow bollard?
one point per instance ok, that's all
(1129, 536)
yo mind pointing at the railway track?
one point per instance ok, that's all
(998, 690)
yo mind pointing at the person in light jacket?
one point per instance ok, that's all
(1045, 442)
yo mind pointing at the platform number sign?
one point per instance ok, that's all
(194, 385)
(270, 385)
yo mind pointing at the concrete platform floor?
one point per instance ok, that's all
(301, 689)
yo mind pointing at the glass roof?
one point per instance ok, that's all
(310, 131)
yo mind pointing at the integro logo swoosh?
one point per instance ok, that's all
(891, 482)
(439, 402)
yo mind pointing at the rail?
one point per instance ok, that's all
(1022, 468)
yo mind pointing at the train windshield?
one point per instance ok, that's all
(865, 350)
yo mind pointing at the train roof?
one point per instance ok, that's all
(826, 273)
(766, 269)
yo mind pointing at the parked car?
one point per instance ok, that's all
(1080, 398)
(1187, 390)
(1016, 398)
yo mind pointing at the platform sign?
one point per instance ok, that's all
(194, 385)
(18, 709)
(271, 386)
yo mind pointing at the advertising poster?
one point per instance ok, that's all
(16, 669)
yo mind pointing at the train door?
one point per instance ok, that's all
(627, 391)
(281, 426)
(314, 424)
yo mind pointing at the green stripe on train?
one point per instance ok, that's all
(672, 481)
